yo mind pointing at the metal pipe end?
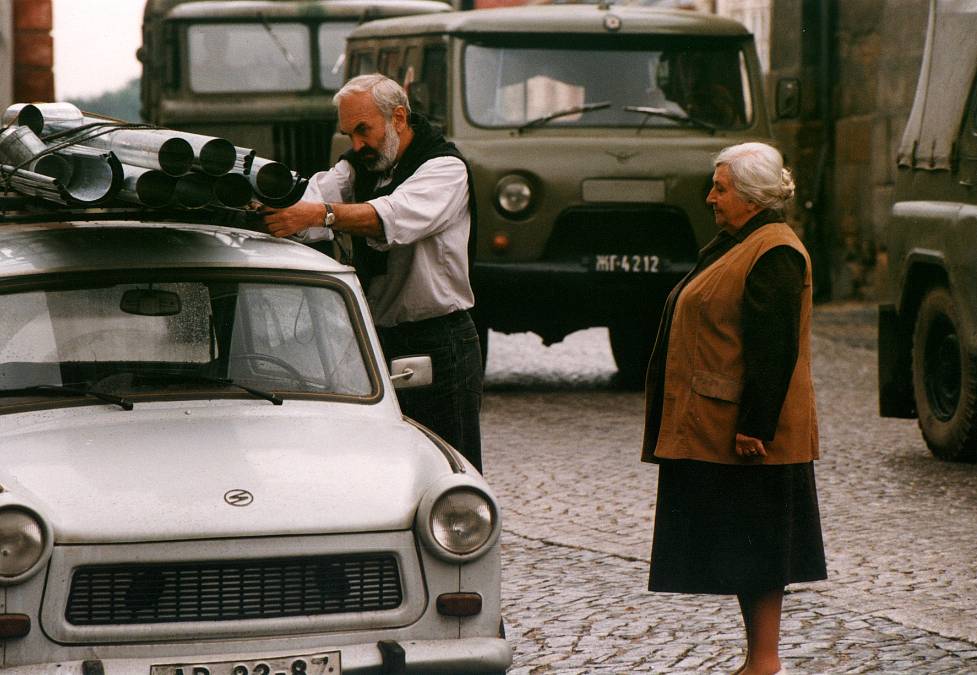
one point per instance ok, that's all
(273, 180)
(194, 190)
(175, 156)
(217, 156)
(233, 189)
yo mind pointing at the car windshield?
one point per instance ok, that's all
(243, 57)
(646, 85)
(174, 338)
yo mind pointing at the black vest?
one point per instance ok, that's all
(428, 143)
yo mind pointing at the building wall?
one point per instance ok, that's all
(857, 61)
(33, 74)
(6, 53)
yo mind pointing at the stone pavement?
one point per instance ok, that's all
(561, 446)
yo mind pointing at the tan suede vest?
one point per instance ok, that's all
(704, 367)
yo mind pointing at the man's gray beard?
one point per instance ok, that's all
(388, 153)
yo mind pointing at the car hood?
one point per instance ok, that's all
(165, 472)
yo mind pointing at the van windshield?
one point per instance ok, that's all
(264, 57)
(673, 85)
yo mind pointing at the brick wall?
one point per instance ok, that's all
(33, 77)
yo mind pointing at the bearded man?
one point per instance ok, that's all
(404, 193)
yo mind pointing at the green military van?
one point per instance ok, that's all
(928, 326)
(261, 72)
(590, 130)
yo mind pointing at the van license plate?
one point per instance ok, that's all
(633, 263)
(326, 663)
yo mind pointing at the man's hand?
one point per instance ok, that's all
(295, 218)
(749, 447)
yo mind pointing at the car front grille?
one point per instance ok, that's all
(229, 590)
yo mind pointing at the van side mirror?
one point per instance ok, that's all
(788, 98)
(411, 371)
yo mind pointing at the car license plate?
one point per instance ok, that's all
(326, 663)
(633, 263)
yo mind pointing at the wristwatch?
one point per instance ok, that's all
(330, 218)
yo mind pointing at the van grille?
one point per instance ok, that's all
(583, 232)
(229, 590)
(303, 146)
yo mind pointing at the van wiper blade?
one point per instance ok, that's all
(669, 115)
(205, 379)
(279, 44)
(585, 108)
(62, 390)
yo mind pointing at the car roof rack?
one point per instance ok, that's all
(57, 162)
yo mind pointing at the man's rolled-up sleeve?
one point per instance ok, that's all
(334, 185)
(432, 199)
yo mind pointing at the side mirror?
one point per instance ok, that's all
(411, 371)
(788, 98)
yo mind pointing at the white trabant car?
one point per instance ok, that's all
(204, 469)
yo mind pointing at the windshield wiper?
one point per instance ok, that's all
(205, 379)
(61, 390)
(281, 45)
(585, 108)
(669, 115)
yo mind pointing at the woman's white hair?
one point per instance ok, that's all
(758, 174)
(387, 94)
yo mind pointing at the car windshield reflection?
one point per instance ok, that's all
(132, 339)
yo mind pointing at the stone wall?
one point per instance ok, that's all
(856, 98)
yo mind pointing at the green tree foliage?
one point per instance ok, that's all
(122, 103)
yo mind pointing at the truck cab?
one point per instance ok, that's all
(261, 72)
(590, 132)
(928, 323)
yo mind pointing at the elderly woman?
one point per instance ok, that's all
(730, 415)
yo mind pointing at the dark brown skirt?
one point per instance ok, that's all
(731, 529)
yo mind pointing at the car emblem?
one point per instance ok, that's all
(238, 497)
(622, 157)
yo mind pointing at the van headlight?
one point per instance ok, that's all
(513, 195)
(458, 524)
(25, 541)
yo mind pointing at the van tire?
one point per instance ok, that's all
(631, 345)
(944, 380)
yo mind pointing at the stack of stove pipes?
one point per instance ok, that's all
(57, 152)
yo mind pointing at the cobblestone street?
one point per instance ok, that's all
(561, 450)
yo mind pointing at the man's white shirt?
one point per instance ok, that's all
(426, 223)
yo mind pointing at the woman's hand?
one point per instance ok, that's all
(749, 447)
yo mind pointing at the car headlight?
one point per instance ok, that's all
(462, 521)
(24, 541)
(458, 521)
(513, 195)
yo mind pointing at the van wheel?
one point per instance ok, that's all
(631, 345)
(944, 380)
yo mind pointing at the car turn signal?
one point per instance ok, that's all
(17, 626)
(459, 604)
